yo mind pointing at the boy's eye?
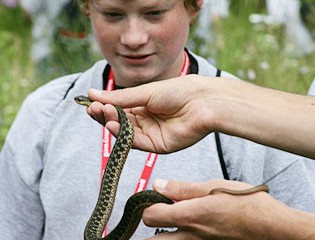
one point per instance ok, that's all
(154, 13)
(112, 14)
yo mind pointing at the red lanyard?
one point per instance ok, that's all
(107, 139)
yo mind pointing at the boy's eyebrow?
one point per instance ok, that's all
(163, 3)
(152, 5)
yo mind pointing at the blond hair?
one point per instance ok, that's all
(191, 5)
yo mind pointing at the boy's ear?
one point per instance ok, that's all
(200, 2)
(195, 13)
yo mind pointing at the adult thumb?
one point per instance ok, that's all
(180, 190)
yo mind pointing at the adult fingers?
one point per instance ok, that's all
(128, 97)
(180, 190)
(102, 113)
(96, 112)
(184, 215)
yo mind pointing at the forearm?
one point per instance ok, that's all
(266, 116)
(292, 224)
(302, 226)
(279, 222)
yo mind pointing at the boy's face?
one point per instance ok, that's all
(143, 40)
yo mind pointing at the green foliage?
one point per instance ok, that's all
(15, 66)
(257, 53)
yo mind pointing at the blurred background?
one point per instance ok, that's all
(269, 43)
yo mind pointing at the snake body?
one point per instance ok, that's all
(105, 202)
(136, 203)
(258, 188)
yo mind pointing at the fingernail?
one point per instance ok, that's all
(160, 184)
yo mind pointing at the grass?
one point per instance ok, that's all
(15, 67)
(257, 53)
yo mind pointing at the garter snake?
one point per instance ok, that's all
(136, 203)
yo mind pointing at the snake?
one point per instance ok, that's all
(136, 204)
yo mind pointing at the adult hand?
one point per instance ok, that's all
(198, 215)
(167, 115)
(176, 113)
